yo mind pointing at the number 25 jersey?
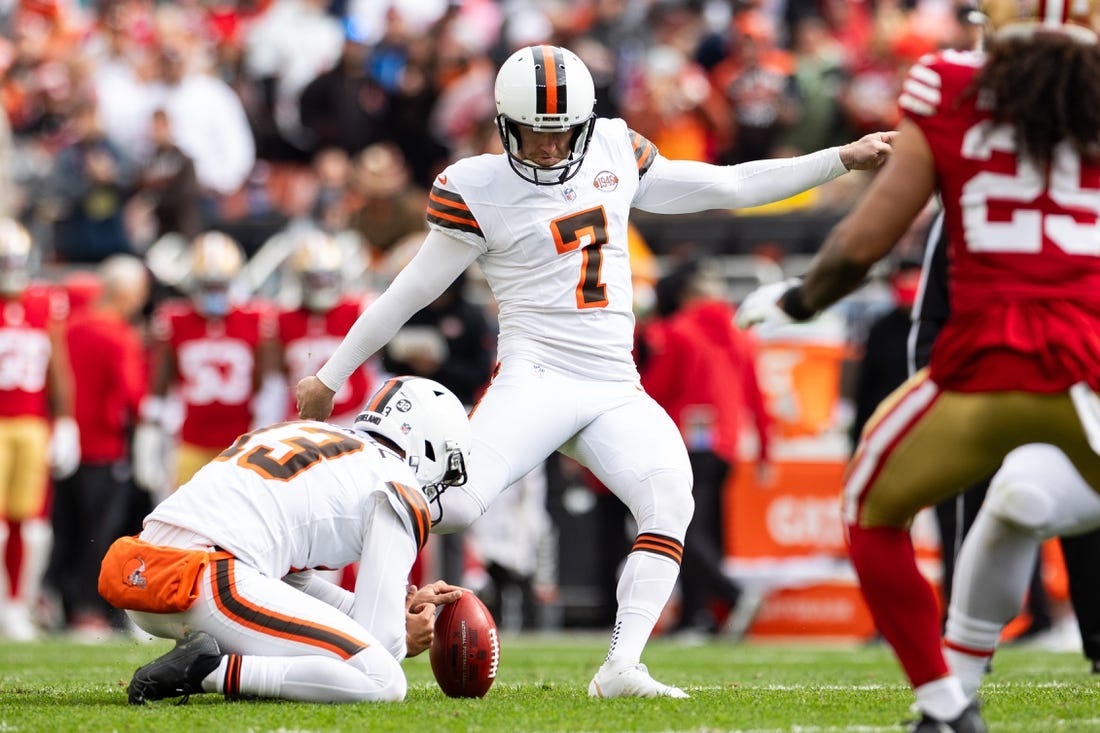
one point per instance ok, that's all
(1024, 243)
(554, 257)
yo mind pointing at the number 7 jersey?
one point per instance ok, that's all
(555, 257)
(1023, 243)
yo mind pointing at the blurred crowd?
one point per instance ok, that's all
(133, 119)
(214, 190)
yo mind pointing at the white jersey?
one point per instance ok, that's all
(296, 495)
(555, 256)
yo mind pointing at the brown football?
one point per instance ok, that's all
(465, 651)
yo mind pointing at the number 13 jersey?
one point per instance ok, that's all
(1024, 243)
(555, 256)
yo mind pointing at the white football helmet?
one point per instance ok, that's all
(216, 261)
(15, 257)
(1022, 18)
(548, 89)
(317, 264)
(429, 423)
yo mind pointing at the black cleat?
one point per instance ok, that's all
(179, 672)
(969, 721)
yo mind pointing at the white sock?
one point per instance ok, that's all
(969, 668)
(943, 699)
(644, 587)
(37, 541)
(969, 644)
(305, 679)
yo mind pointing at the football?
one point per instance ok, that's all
(465, 651)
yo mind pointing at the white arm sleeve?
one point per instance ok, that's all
(439, 261)
(687, 186)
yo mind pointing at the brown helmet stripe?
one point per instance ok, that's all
(385, 394)
(549, 84)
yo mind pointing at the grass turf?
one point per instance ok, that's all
(59, 685)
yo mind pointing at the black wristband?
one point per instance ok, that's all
(792, 304)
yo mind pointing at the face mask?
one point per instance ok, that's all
(213, 302)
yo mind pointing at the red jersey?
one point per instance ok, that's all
(309, 339)
(215, 360)
(1024, 248)
(25, 349)
(109, 376)
(702, 370)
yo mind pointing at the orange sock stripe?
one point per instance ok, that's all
(231, 685)
(660, 545)
(246, 613)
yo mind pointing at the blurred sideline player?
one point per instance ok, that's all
(1009, 138)
(309, 334)
(35, 386)
(279, 502)
(93, 506)
(220, 356)
(552, 246)
(702, 370)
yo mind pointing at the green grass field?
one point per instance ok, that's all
(57, 685)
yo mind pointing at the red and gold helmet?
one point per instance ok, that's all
(216, 261)
(317, 262)
(1022, 18)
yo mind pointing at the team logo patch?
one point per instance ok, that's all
(403, 405)
(605, 181)
(135, 573)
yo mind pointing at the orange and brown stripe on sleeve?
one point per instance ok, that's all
(248, 614)
(417, 507)
(659, 544)
(645, 152)
(447, 209)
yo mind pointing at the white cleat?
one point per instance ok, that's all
(632, 680)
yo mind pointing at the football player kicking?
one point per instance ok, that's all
(553, 248)
(243, 536)
(1009, 137)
